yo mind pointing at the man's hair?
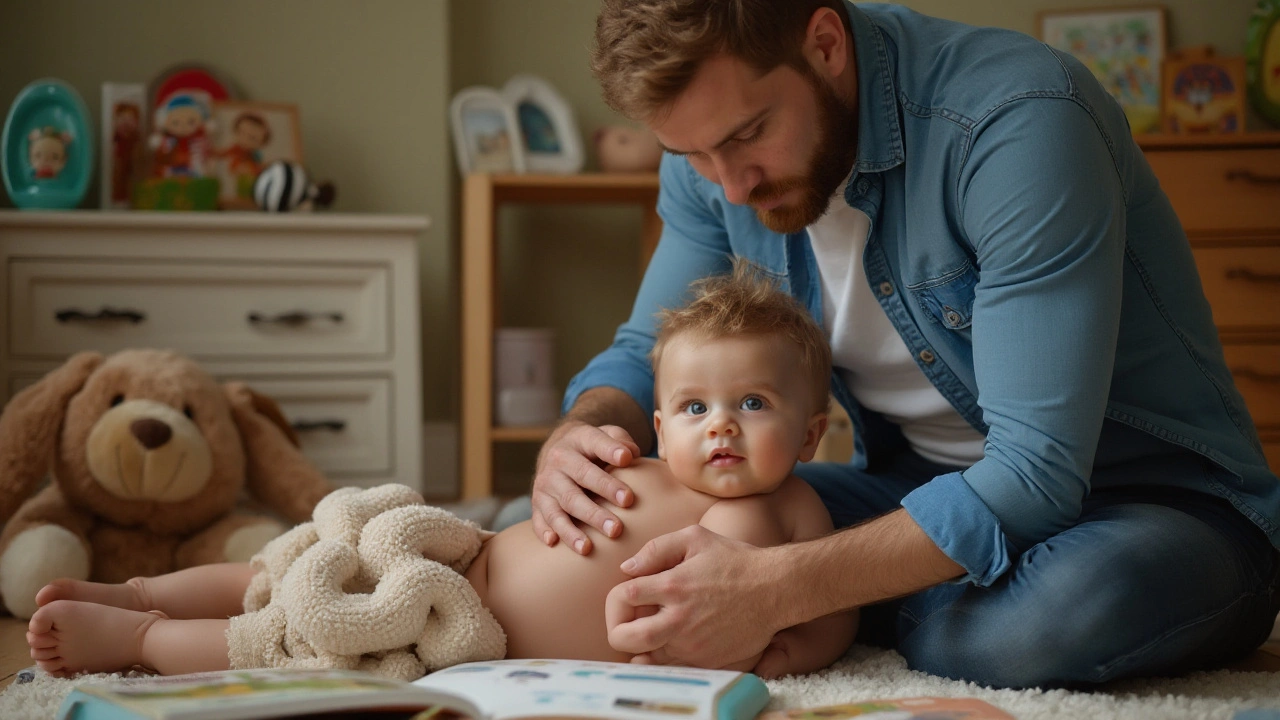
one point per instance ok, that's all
(747, 302)
(646, 52)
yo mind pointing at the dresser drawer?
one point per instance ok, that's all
(345, 426)
(1221, 189)
(1242, 284)
(205, 310)
(1256, 369)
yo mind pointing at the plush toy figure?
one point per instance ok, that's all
(148, 455)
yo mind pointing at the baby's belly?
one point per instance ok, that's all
(550, 600)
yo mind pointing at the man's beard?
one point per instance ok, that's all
(832, 159)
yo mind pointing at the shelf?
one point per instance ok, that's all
(528, 433)
(584, 188)
(1158, 141)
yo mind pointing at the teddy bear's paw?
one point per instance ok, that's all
(244, 543)
(35, 558)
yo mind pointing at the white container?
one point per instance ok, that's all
(523, 389)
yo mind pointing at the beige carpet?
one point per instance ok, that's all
(868, 673)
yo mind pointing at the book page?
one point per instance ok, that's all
(264, 693)
(507, 689)
(932, 708)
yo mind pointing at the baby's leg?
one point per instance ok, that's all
(203, 591)
(68, 637)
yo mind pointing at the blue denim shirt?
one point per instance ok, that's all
(1024, 251)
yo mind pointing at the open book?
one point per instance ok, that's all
(482, 690)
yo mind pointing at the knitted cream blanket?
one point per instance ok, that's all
(374, 582)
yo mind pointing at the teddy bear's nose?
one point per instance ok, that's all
(150, 432)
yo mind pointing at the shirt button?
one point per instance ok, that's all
(863, 186)
(927, 357)
(886, 288)
(953, 317)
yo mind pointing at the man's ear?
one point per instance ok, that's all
(826, 44)
(813, 435)
(657, 430)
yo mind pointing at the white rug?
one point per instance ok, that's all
(868, 673)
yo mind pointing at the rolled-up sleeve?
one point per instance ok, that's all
(694, 244)
(1043, 206)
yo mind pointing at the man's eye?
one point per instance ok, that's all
(696, 408)
(753, 403)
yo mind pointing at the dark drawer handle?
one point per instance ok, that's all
(330, 425)
(1250, 176)
(1251, 276)
(1255, 375)
(294, 318)
(104, 315)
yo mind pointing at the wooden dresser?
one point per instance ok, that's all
(320, 312)
(1226, 191)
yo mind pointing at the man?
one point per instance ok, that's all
(1053, 473)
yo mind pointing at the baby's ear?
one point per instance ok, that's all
(657, 430)
(813, 435)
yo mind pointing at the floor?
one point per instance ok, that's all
(13, 653)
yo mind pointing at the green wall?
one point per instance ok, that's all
(373, 80)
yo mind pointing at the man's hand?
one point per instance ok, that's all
(716, 600)
(571, 460)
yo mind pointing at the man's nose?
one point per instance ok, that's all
(737, 179)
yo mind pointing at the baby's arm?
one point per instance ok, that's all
(793, 513)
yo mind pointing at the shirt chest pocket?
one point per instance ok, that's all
(948, 300)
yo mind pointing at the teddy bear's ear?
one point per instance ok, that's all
(29, 429)
(277, 472)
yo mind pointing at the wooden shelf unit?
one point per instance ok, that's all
(482, 196)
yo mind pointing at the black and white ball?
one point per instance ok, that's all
(282, 186)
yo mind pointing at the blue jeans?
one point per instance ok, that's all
(1153, 580)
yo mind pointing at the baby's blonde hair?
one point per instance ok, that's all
(747, 302)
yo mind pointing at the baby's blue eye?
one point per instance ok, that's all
(696, 407)
(753, 403)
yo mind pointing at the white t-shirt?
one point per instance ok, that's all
(869, 354)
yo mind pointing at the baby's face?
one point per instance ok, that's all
(734, 415)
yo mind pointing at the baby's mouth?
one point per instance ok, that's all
(724, 458)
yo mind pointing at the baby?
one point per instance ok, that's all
(741, 379)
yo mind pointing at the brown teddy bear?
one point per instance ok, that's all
(148, 456)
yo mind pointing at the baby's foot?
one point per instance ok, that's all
(129, 595)
(68, 637)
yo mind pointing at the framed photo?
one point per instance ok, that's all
(547, 128)
(123, 137)
(485, 132)
(246, 137)
(1203, 93)
(1123, 47)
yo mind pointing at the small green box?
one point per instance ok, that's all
(176, 194)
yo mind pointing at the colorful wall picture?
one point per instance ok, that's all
(1262, 60)
(486, 134)
(247, 136)
(1123, 47)
(1203, 93)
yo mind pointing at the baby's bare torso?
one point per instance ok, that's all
(550, 600)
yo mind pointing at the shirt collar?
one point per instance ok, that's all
(879, 132)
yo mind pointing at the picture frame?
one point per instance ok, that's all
(124, 133)
(1124, 47)
(1262, 60)
(246, 137)
(1204, 94)
(548, 130)
(485, 132)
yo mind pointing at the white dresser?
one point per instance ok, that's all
(318, 311)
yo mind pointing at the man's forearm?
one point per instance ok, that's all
(881, 559)
(611, 406)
